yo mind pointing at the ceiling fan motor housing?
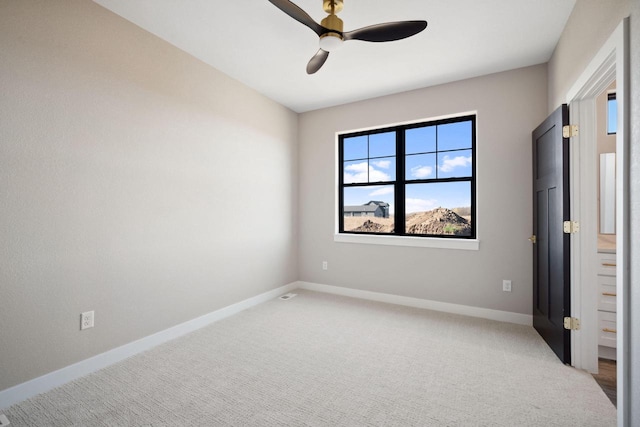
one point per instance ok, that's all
(332, 22)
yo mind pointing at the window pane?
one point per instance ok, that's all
(612, 115)
(454, 136)
(357, 171)
(355, 148)
(420, 166)
(382, 144)
(439, 209)
(454, 164)
(420, 140)
(368, 209)
(375, 170)
(382, 169)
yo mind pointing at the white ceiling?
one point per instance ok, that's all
(257, 44)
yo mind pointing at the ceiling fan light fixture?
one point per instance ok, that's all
(330, 41)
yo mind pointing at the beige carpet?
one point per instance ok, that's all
(325, 360)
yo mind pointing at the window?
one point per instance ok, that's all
(612, 114)
(412, 180)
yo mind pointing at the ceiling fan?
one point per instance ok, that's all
(332, 36)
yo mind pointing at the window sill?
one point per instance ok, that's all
(421, 242)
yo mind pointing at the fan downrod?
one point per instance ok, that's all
(332, 6)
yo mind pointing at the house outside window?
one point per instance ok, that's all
(413, 180)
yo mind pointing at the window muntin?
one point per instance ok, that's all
(413, 180)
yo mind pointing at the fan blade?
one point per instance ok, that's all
(317, 61)
(299, 15)
(386, 32)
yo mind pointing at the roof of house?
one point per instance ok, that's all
(361, 208)
(377, 202)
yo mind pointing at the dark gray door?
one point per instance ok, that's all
(551, 262)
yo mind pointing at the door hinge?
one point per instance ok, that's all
(569, 131)
(572, 323)
(571, 227)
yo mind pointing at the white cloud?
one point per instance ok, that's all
(357, 172)
(421, 171)
(419, 205)
(382, 191)
(384, 164)
(357, 167)
(376, 175)
(450, 164)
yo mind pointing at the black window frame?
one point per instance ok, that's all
(400, 182)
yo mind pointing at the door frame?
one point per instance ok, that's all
(610, 63)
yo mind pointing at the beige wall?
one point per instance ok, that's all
(509, 106)
(589, 26)
(135, 181)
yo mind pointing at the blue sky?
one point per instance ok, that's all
(612, 116)
(372, 159)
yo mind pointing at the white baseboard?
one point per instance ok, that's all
(466, 310)
(69, 373)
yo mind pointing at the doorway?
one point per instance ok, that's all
(609, 65)
(606, 130)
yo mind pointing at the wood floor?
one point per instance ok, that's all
(606, 378)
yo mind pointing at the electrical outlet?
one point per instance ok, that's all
(325, 265)
(86, 320)
(506, 285)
